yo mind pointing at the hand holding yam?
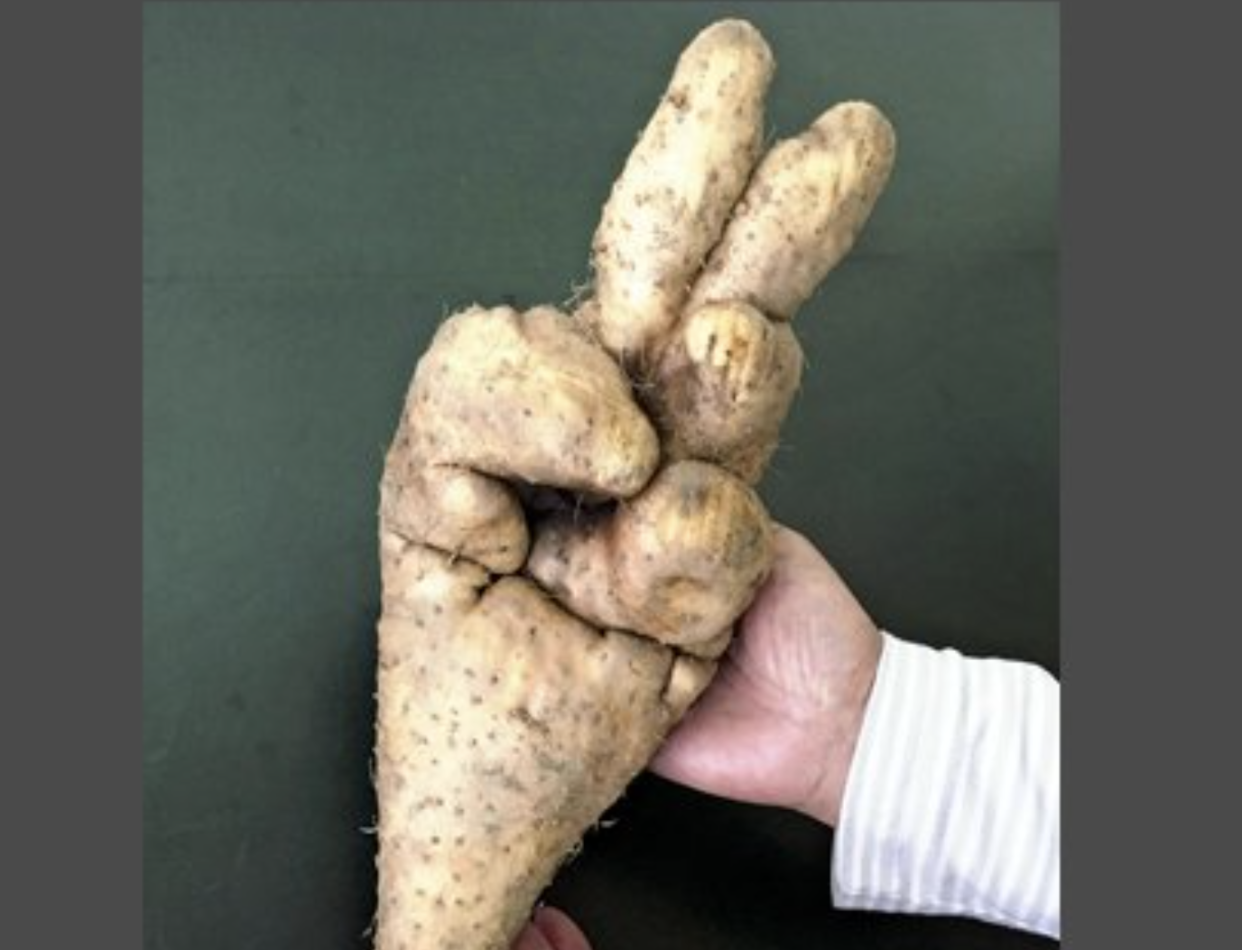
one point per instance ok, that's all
(568, 522)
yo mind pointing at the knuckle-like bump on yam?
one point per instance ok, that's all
(678, 563)
(530, 396)
(724, 385)
(460, 512)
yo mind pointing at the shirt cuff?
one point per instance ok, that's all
(951, 805)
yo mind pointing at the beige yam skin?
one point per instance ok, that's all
(530, 396)
(453, 509)
(801, 213)
(723, 386)
(678, 563)
(489, 760)
(669, 205)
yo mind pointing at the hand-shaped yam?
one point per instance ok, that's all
(568, 523)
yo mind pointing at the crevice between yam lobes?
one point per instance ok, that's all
(701, 658)
(506, 727)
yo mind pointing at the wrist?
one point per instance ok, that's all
(839, 731)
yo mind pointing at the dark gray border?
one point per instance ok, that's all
(70, 378)
(1150, 481)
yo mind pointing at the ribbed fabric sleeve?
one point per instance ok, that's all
(953, 804)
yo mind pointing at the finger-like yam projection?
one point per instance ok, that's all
(801, 213)
(669, 205)
(678, 563)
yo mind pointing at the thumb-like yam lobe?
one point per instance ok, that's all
(670, 203)
(679, 563)
(453, 509)
(504, 732)
(804, 207)
(724, 385)
(529, 396)
(424, 586)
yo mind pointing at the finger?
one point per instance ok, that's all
(801, 213)
(532, 938)
(723, 386)
(717, 749)
(795, 553)
(669, 205)
(528, 396)
(678, 563)
(560, 932)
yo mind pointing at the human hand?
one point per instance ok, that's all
(779, 724)
(550, 929)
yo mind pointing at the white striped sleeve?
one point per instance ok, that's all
(953, 801)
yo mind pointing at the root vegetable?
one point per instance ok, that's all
(568, 521)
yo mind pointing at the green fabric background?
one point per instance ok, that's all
(322, 183)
